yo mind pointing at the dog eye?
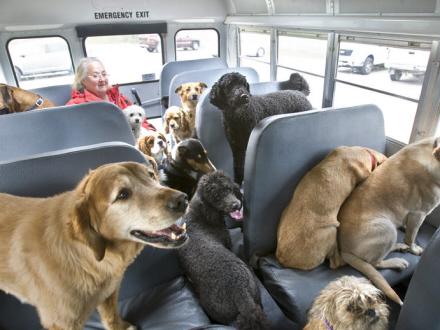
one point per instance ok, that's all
(123, 194)
(131, 114)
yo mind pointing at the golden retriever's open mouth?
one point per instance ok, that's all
(172, 236)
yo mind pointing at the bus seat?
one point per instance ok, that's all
(420, 308)
(170, 69)
(38, 131)
(58, 94)
(280, 151)
(210, 129)
(209, 77)
(153, 294)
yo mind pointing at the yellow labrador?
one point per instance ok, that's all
(400, 193)
(307, 230)
(66, 254)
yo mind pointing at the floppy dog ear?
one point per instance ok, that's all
(178, 89)
(216, 96)
(203, 85)
(82, 224)
(142, 144)
(8, 99)
(436, 150)
(166, 125)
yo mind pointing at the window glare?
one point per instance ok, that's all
(41, 62)
(196, 44)
(255, 53)
(128, 58)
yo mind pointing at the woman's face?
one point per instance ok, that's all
(96, 80)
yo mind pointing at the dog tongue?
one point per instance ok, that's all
(237, 215)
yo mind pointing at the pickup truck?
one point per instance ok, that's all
(406, 61)
(361, 57)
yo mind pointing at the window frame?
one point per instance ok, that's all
(35, 37)
(197, 29)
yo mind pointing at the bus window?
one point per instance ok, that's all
(196, 44)
(255, 52)
(128, 58)
(40, 62)
(306, 55)
(387, 73)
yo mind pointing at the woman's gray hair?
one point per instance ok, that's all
(81, 72)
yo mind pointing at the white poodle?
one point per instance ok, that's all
(135, 115)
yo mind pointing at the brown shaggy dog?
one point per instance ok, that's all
(308, 225)
(177, 123)
(189, 96)
(349, 303)
(14, 99)
(66, 254)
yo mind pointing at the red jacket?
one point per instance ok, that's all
(114, 96)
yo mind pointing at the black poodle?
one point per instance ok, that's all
(242, 111)
(225, 285)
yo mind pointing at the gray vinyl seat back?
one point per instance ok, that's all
(283, 148)
(54, 172)
(38, 131)
(209, 77)
(170, 69)
(209, 126)
(420, 308)
(58, 94)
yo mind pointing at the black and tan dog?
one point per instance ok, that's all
(14, 99)
(188, 162)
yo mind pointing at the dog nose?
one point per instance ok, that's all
(244, 98)
(160, 143)
(194, 97)
(179, 203)
(371, 313)
(236, 205)
(137, 121)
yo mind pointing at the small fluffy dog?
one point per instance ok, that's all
(308, 225)
(67, 254)
(154, 144)
(188, 162)
(243, 111)
(177, 123)
(189, 96)
(135, 116)
(400, 193)
(225, 285)
(349, 303)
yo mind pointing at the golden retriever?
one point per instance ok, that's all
(400, 193)
(177, 123)
(189, 96)
(308, 226)
(14, 99)
(67, 254)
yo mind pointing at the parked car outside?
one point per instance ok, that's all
(36, 58)
(187, 42)
(361, 58)
(403, 61)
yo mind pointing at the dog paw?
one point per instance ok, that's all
(415, 249)
(401, 264)
(401, 247)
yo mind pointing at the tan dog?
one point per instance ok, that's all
(189, 96)
(400, 193)
(66, 254)
(177, 123)
(307, 229)
(154, 144)
(14, 99)
(348, 303)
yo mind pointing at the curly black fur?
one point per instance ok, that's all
(242, 111)
(225, 285)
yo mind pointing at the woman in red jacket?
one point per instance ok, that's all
(91, 84)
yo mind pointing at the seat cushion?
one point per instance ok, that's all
(171, 305)
(294, 290)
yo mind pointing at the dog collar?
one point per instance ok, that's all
(37, 103)
(327, 324)
(373, 160)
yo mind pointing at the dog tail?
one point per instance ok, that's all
(298, 83)
(372, 274)
(251, 315)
